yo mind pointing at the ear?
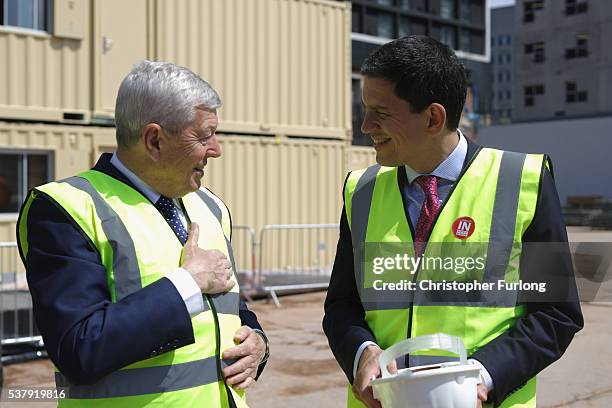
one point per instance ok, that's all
(151, 138)
(437, 118)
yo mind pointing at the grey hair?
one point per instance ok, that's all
(162, 93)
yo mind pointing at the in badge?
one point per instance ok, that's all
(463, 227)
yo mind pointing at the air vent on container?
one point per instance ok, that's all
(74, 116)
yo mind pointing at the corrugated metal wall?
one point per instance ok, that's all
(360, 157)
(281, 66)
(42, 76)
(264, 180)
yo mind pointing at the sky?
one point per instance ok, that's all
(500, 3)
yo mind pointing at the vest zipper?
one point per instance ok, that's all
(433, 225)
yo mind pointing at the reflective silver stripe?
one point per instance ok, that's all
(503, 222)
(414, 361)
(474, 298)
(360, 213)
(372, 299)
(226, 303)
(125, 263)
(142, 381)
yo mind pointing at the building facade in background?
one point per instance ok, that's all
(461, 24)
(502, 64)
(563, 63)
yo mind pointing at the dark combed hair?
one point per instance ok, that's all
(424, 71)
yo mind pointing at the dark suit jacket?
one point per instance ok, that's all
(537, 340)
(86, 335)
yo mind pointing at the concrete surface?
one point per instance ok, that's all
(303, 373)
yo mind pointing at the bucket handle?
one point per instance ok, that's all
(437, 341)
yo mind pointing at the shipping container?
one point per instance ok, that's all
(282, 67)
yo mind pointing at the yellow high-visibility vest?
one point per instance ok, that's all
(485, 216)
(136, 247)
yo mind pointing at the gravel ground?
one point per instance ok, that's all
(303, 373)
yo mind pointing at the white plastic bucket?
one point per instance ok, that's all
(445, 385)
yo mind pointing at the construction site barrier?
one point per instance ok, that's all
(17, 326)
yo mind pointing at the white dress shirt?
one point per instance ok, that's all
(180, 278)
(447, 172)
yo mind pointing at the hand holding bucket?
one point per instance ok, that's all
(445, 385)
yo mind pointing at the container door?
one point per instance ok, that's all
(120, 40)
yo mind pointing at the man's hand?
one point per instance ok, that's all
(211, 270)
(367, 370)
(249, 352)
(482, 392)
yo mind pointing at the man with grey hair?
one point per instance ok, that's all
(130, 264)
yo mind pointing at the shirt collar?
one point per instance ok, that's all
(450, 168)
(134, 179)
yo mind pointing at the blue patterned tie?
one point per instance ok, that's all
(167, 208)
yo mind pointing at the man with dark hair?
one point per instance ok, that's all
(431, 189)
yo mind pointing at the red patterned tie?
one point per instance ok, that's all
(429, 210)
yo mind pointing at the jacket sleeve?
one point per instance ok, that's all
(86, 335)
(544, 333)
(248, 318)
(344, 321)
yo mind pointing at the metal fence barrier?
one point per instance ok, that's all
(295, 257)
(17, 325)
(244, 245)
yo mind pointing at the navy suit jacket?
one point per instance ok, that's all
(537, 340)
(86, 335)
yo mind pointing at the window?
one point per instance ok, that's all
(581, 50)
(409, 26)
(537, 49)
(529, 100)
(582, 45)
(531, 92)
(380, 24)
(508, 40)
(575, 7)
(529, 8)
(464, 40)
(32, 14)
(508, 95)
(19, 172)
(448, 36)
(418, 5)
(404, 27)
(500, 77)
(572, 94)
(385, 2)
(465, 12)
(356, 20)
(447, 8)
(538, 53)
(507, 76)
